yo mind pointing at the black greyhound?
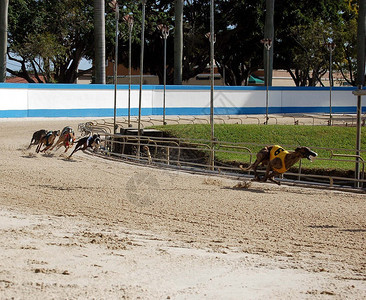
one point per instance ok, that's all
(92, 141)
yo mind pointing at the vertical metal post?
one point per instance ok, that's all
(165, 37)
(212, 54)
(267, 84)
(141, 75)
(129, 20)
(358, 138)
(330, 87)
(267, 45)
(164, 33)
(114, 5)
(129, 76)
(361, 44)
(330, 46)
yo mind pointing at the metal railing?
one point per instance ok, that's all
(294, 119)
(195, 155)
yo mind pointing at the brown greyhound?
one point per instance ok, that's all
(278, 161)
(47, 140)
(37, 136)
(66, 139)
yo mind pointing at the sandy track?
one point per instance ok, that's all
(90, 227)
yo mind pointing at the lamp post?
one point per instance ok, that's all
(129, 20)
(330, 47)
(164, 33)
(267, 43)
(141, 74)
(114, 5)
(212, 38)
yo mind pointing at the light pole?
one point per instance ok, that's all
(114, 5)
(330, 47)
(212, 38)
(267, 45)
(129, 20)
(164, 33)
(141, 74)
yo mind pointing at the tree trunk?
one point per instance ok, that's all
(4, 4)
(178, 41)
(361, 40)
(269, 34)
(99, 41)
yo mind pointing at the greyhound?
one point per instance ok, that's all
(278, 161)
(92, 141)
(66, 139)
(47, 140)
(37, 136)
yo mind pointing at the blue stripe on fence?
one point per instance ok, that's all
(109, 112)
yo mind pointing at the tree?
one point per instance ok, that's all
(157, 12)
(50, 38)
(345, 37)
(3, 37)
(301, 32)
(178, 41)
(99, 40)
(239, 52)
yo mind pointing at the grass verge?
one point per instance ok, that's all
(342, 139)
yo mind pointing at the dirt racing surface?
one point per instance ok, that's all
(89, 227)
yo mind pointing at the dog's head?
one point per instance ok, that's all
(70, 137)
(306, 153)
(56, 132)
(96, 141)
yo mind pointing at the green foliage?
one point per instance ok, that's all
(239, 52)
(302, 28)
(50, 38)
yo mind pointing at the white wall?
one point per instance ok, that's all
(61, 100)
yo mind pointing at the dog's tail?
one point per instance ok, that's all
(245, 169)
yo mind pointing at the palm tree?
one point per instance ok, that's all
(178, 41)
(4, 4)
(361, 43)
(99, 41)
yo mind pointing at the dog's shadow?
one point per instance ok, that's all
(48, 154)
(245, 186)
(29, 155)
(68, 159)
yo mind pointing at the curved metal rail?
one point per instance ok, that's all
(195, 155)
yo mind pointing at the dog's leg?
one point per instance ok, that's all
(54, 146)
(71, 153)
(253, 166)
(39, 147)
(270, 177)
(256, 175)
(57, 144)
(266, 175)
(31, 143)
(46, 148)
(76, 149)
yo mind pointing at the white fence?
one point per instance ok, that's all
(73, 100)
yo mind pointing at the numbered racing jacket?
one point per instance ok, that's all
(278, 152)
